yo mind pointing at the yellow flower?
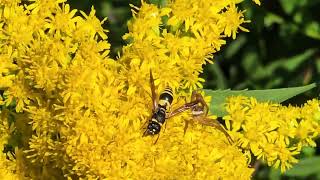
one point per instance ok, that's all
(232, 20)
(7, 162)
(272, 132)
(93, 25)
(81, 114)
(62, 21)
(257, 2)
(6, 69)
(43, 8)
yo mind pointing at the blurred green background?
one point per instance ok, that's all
(281, 50)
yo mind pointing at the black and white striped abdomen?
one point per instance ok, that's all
(166, 98)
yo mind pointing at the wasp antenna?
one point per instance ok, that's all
(146, 133)
(156, 139)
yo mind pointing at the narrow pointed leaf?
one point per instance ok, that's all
(219, 97)
(305, 167)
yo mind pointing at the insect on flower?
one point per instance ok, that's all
(199, 111)
(162, 110)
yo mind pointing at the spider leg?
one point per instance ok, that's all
(193, 95)
(196, 98)
(210, 122)
(182, 108)
(165, 127)
(186, 125)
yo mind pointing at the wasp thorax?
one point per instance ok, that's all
(160, 115)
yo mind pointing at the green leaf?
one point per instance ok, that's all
(289, 64)
(275, 174)
(251, 61)
(235, 46)
(219, 76)
(272, 18)
(312, 29)
(219, 97)
(317, 61)
(308, 151)
(305, 167)
(290, 5)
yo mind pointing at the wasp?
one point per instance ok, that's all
(162, 110)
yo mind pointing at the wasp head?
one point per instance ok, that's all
(152, 129)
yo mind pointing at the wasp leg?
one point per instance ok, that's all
(153, 92)
(144, 124)
(165, 127)
(210, 122)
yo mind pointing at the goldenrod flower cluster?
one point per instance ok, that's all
(7, 166)
(73, 112)
(271, 132)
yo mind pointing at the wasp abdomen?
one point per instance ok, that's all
(166, 98)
